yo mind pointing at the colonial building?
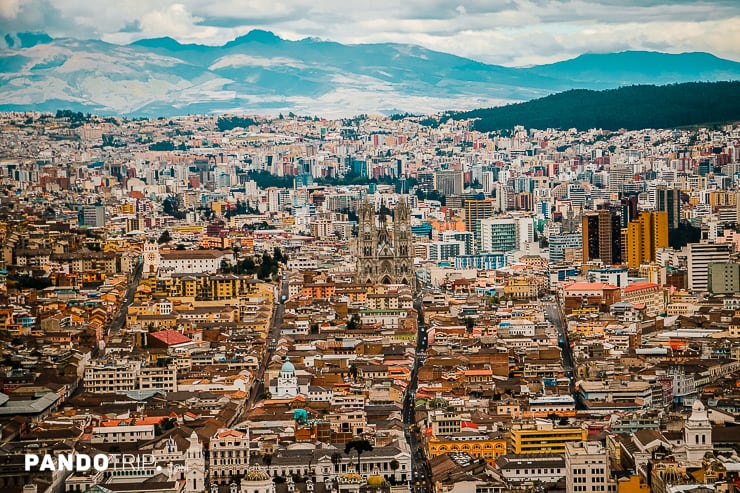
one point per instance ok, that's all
(384, 251)
(285, 386)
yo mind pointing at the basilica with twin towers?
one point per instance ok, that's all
(385, 253)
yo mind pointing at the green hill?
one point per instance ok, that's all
(632, 108)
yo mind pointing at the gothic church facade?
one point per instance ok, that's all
(384, 249)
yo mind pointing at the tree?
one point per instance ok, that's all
(336, 459)
(360, 446)
(267, 460)
(394, 465)
(353, 372)
(171, 206)
(353, 322)
(277, 254)
(228, 123)
(164, 237)
(163, 145)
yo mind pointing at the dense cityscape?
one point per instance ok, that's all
(367, 305)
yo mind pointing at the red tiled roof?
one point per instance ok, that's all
(170, 337)
(589, 286)
(635, 286)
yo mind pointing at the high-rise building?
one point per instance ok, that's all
(448, 182)
(475, 210)
(602, 237)
(628, 209)
(645, 235)
(466, 237)
(443, 250)
(699, 257)
(586, 467)
(92, 215)
(498, 234)
(504, 234)
(669, 200)
(723, 278)
(559, 243)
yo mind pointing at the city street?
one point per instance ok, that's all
(119, 319)
(555, 315)
(420, 477)
(258, 386)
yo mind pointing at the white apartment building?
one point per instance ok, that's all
(517, 469)
(123, 376)
(699, 256)
(444, 423)
(122, 434)
(110, 377)
(229, 455)
(586, 467)
(158, 378)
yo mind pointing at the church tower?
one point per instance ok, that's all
(385, 251)
(698, 433)
(151, 258)
(195, 466)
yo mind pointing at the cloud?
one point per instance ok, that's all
(9, 8)
(509, 32)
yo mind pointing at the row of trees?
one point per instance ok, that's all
(266, 267)
(230, 122)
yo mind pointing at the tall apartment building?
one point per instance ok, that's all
(668, 200)
(602, 237)
(586, 467)
(466, 237)
(644, 236)
(443, 250)
(448, 182)
(504, 234)
(498, 234)
(92, 215)
(475, 211)
(559, 243)
(699, 257)
(723, 278)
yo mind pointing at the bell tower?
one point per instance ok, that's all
(698, 433)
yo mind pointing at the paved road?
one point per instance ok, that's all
(119, 319)
(419, 469)
(555, 315)
(258, 387)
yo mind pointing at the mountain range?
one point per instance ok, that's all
(261, 73)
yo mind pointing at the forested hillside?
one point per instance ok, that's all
(632, 108)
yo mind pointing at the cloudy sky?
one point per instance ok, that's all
(507, 32)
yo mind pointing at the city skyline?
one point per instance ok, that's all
(518, 33)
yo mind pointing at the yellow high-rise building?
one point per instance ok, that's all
(645, 235)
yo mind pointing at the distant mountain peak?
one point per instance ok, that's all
(256, 36)
(260, 72)
(163, 42)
